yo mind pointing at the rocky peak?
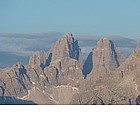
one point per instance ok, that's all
(136, 53)
(131, 65)
(104, 42)
(66, 46)
(105, 57)
(69, 37)
(38, 59)
(106, 46)
(18, 67)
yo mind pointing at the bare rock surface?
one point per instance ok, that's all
(105, 58)
(58, 76)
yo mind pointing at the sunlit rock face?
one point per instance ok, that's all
(68, 47)
(105, 58)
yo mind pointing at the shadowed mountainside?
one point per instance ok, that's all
(8, 100)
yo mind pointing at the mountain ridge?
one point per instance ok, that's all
(25, 45)
(57, 77)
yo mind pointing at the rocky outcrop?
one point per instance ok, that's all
(60, 71)
(66, 47)
(105, 58)
(14, 81)
(64, 64)
(39, 59)
(127, 78)
(64, 57)
(131, 65)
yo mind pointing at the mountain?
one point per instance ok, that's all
(46, 75)
(105, 58)
(59, 77)
(123, 44)
(22, 46)
(120, 86)
(67, 46)
(127, 78)
(118, 40)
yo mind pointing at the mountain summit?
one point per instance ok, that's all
(105, 56)
(103, 59)
(68, 47)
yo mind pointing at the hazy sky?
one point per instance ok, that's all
(81, 17)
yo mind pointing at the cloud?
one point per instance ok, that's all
(15, 43)
(8, 59)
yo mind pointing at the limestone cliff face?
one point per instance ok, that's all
(105, 58)
(64, 63)
(14, 81)
(127, 78)
(131, 65)
(66, 47)
(39, 59)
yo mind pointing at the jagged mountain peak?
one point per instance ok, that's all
(136, 52)
(105, 57)
(66, 38)
(18, 65)
(69, 37)
(104, 43)
(104, 39)
(38, 59)
(132, 63)
(66, 47)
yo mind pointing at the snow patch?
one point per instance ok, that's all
(22, 98)
(41, 75)
(136, 87)
(33, 82)
(63, 86)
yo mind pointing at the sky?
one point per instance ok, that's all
(81, 17)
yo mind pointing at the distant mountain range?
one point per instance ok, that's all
(59, 75)
(22, 46)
